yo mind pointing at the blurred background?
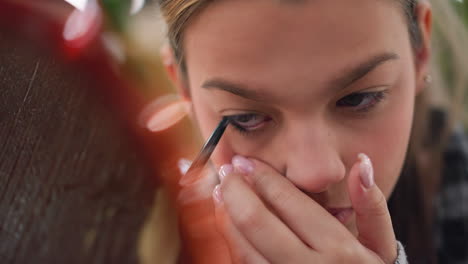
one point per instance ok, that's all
(82, 180)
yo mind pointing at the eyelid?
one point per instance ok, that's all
(369, 89)
(374, 88)
(235, 112)
(232, 116)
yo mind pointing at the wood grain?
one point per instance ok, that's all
(73, 189)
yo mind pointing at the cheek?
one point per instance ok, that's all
(389, 157)
(390, 141)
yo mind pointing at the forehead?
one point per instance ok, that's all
(266, 36)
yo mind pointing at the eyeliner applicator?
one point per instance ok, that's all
(202, 158)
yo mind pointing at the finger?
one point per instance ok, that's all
(372, 217)
(241, 250)
(200, 189)
(265, 232)
(203, 242)
(308, 219)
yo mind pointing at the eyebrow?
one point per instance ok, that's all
(357, 73)
(351, 76)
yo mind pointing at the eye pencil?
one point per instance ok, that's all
(202, 158)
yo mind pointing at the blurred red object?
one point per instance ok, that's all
(74, 36)
(54, 31)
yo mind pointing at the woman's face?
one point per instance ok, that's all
(309, 85)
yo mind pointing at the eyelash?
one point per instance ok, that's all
(241, 130)
(233, 120)
(376, 98)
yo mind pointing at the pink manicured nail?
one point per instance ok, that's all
(217, 197)
(224, 171)
(366, 171)
(242, 164)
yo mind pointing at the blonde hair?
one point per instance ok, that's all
(177, 14)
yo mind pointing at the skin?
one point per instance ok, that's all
(292, 65)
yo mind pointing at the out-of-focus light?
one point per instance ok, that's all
(78, 4)
(459, 1)
(137, 5)
(114, 46)
(164, 112)
(79, 23)
(81, 27)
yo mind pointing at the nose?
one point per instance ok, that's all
(314, 162)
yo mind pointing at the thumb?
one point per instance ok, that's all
(373, 220)
(200, 186)
(196, 214)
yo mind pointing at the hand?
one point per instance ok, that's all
(201, 240)
(266, 219)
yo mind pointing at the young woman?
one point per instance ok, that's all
(327, 104)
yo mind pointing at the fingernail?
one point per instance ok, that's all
(184, 165)
(224, 171)
(217, 197)
(242, 164)
(366, 171)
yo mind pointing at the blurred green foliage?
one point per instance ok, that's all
(445, 52)
(462, 8)
(117, 13)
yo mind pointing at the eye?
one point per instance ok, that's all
(361, 101)
(248, 122)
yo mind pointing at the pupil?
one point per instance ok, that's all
(244, 118)
(353, 100)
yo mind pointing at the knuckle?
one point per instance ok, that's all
(344, 246)
(275, 192)
(247, 258)
(346, 253)
(379, 207)
(258, 179)
(376, 208)
(279, 196)
(333, 243)
(250, 219)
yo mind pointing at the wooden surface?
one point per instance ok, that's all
(72, 187)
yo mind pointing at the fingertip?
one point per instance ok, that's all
(361, 181)
(354, 182)
(366, 171)
(224, 171)
(243, 164)
(217, 195)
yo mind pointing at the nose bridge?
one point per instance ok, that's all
(314, 161)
